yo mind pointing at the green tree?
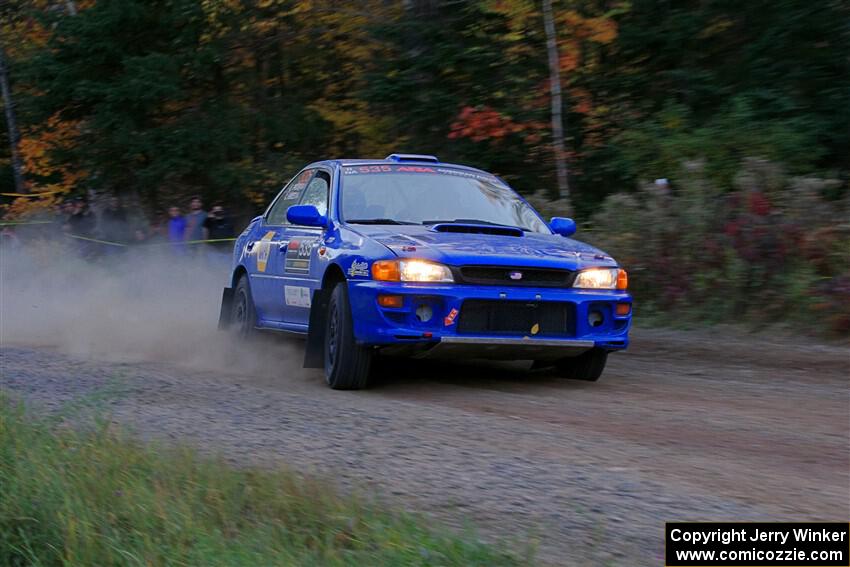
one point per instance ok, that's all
(150, 93)
(722, 81)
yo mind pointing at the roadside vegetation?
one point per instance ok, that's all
(95, 496)
(772, 251)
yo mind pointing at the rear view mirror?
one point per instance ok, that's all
(306, 215)
(563, 226)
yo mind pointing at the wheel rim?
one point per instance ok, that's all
(333, 332)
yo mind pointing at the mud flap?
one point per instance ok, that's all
(226, 314)
(314, 353)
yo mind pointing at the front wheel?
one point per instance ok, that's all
(244, 317)
(587, 366)
(347, 364)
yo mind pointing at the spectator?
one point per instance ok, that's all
(113, 222)
(61, 213)
(159, 228)
(66, 210)
(9, 240)
(80, 222)
(81, 225)
(662, 187)
(195, 220)
(219, 226)
(177, 230)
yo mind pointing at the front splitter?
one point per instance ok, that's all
(506, 348)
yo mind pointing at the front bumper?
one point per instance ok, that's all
(401, 330)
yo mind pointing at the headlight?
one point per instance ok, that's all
(602, 278)
(410, 271)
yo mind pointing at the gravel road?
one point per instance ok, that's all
(683, 426)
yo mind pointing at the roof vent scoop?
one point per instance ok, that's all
(412, 157)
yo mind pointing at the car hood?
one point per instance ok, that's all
(457, 249)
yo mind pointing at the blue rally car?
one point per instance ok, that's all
(410, 256)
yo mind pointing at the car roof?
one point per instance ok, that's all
(406, 159)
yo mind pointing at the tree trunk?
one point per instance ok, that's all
(14, 135)
(555, 90)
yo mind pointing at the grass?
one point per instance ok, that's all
(96, 496)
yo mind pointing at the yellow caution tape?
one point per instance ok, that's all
(39, 194)
(203, 241)
(19, 223)
(123, 245)
(86, 238)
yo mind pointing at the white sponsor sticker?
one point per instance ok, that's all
(358, 268)
(297, 296)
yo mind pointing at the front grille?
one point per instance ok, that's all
(553, 318)
(530, 277)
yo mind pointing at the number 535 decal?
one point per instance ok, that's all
(299, 253)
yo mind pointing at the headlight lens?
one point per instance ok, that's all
(602, 278)
(421, 271)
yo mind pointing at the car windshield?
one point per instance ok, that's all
(402, 194)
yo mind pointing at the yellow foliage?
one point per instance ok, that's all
(356, 119)
(521, 14)
(20, 35)
(45, 174)
(215, 11)
(24, 207)
(598, 29)
(573, 29)
(570, 55)
(37, 144)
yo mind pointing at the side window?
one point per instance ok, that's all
(316, 193)
(290, 196)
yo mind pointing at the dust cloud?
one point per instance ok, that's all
(136, 305)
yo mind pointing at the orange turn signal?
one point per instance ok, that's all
(622, 279)
(390, 300)
(624, 309)
(386, 271)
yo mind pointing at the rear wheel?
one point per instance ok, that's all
(347, 364)
(244, 319)
(587, 366)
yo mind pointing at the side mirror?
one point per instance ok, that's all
(306, 215)
(563, 226)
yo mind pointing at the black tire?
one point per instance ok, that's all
(347, 364)
(587, 366)
(244, 318)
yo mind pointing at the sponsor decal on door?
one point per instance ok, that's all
(297, 296)
(264, 247)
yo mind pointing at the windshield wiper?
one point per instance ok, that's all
(475, 221)
(377, 221)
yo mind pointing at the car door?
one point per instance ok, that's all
(299, 259)
(269, 241)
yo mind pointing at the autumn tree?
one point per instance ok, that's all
(227, 98)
